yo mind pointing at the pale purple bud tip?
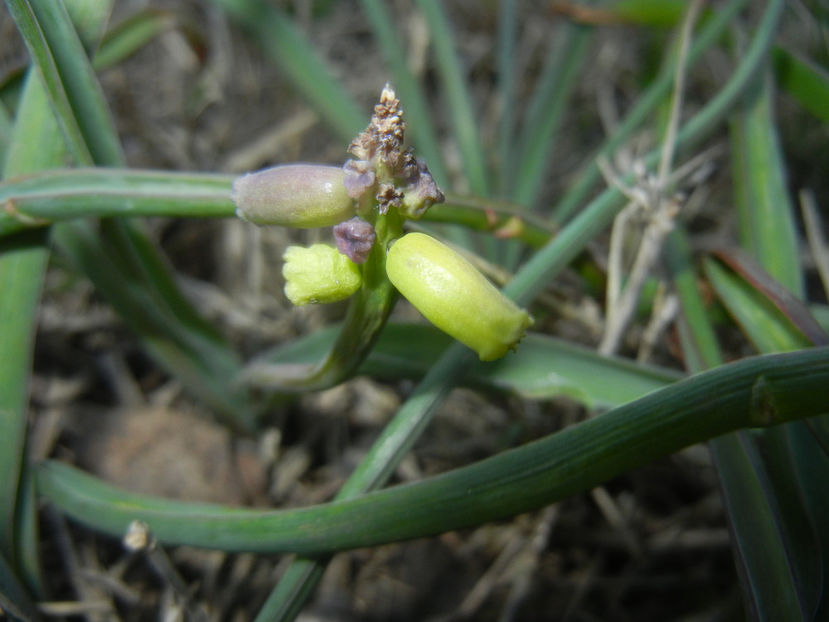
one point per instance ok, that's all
(354, 239)
(359, 177)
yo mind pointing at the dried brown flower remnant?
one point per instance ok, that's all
(402, 181)
(388, 196)
(384, 135)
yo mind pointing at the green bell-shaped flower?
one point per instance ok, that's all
(452, 294)
(294, 195)
(319, 273)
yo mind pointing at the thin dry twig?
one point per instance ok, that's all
(666, 308)
(650, 197)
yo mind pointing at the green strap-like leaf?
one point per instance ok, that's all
(755, 392)
(542, 367)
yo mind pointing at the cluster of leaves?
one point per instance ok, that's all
(773, 480)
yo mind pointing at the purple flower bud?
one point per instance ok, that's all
(354, 239)
(293, 195)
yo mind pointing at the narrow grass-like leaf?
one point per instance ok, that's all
(792, 308)
(803, 80)
(294, 54)
(461, 109)
(766, 225)
(763, 323)
(809, 449)
(131, 35)
(781, 565)
(769, 533)
(769, 567)
(563, 67)
(26, 20)
(542, 367)
(768, 231)
(575, 459)
(418, 119)
(37, 200)
(665, 13)
(5, 131)
(14, 601)
(74, 79)
(35, 144)
(699, 342)
(506, 73)
(22, 262)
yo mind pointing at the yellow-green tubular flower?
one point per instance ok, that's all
(451, 293)
(293, 195)
(319, 273)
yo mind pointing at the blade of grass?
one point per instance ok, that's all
(131, 35)
(505, 70)
(562, 69)
(461, 109)
(37, 200)
(766, 227)
(762, 543)
(774, 556)
(22, 263)
(793, 309)
(35, 144)
(768, 231)
(543, 366)
(72, 78)
(14, 601)
(296, 57)
(24, 16)
(536, 474)
(763, 323)
(803, 80)
(5, 131)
